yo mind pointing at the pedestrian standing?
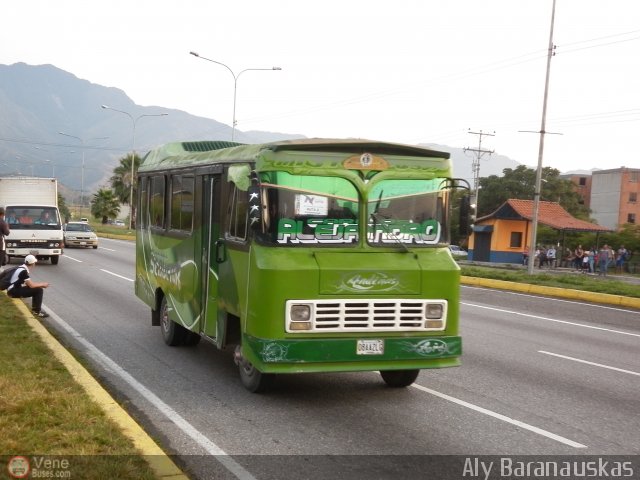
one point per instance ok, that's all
(592, 260)
(604, 256)
(4, 230)
(23, 287)
(621, 256)
(578, 254)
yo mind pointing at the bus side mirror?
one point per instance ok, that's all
(466, 217)
(255, 207)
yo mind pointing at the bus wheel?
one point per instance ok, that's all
(399, 378)
(252, 379)
(172, 333)
(55, 259)
(192, 339)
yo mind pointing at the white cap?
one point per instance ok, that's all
(30, 259)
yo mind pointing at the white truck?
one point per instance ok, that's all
(31, 210)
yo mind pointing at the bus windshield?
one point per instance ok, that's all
(304, 209)
(407, 212)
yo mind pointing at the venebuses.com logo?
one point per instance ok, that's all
(18, 467)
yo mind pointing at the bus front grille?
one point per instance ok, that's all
(370, 315)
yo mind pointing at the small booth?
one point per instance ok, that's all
(504, 235)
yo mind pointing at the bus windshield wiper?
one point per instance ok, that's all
(377, 219)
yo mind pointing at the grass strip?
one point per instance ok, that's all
(44, 412)
(577, 281)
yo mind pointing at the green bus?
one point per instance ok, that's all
(314, 255)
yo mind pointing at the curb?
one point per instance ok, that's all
(160, 463)
(618, 300)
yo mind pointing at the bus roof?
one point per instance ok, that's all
(175, 154)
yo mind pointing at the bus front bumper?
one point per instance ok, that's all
(348, 354)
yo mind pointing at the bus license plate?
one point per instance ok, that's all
(34, 252)
(370, 347)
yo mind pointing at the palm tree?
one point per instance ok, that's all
(121, 179)
(104, 205)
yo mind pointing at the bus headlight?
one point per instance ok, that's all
(434, 314)
(433, 310)
(300, 316)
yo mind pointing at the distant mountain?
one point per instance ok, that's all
(38, 102)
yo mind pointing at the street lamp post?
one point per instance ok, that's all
(235, 85)
(134, 122)
(49, 161)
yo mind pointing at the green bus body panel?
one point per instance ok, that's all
(361, 276)
(335, 354)
(281, 274)
(169, 265)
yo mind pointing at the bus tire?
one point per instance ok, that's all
(192, 339)
(399, 378)
(172, 333)
(254, 380)
(55, 259)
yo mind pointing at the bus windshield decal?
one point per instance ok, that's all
(335, 230)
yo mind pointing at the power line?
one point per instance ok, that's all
(475, 165)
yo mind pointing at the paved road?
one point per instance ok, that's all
(540, 376)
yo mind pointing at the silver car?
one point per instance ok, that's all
(79, 234)
(456, 251)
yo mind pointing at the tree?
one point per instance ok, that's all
(64, 209)
(105, 205)
(519, 183)
(121, 181)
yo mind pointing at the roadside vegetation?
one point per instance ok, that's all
(610, 284)
(44, 412)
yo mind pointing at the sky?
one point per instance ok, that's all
(408, 71)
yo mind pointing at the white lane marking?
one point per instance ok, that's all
(504, 418)
(561, 300)
(152, 398)
(116, 275)
(132, 243)
(108, 249)
(575, 324)
(71, 258)
(631, 372)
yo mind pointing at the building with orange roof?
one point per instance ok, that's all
(505, 235)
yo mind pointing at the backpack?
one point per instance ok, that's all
(5, 277)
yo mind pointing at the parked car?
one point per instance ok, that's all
(118, 223)
(456, 251)
(79, 234)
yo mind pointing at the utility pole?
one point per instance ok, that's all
(536, 194)
(475, 165)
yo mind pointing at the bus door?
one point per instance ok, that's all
(211, 234)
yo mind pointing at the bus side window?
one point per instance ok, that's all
(157, 201)
(237, 214)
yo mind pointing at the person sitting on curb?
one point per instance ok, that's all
(23, 287)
